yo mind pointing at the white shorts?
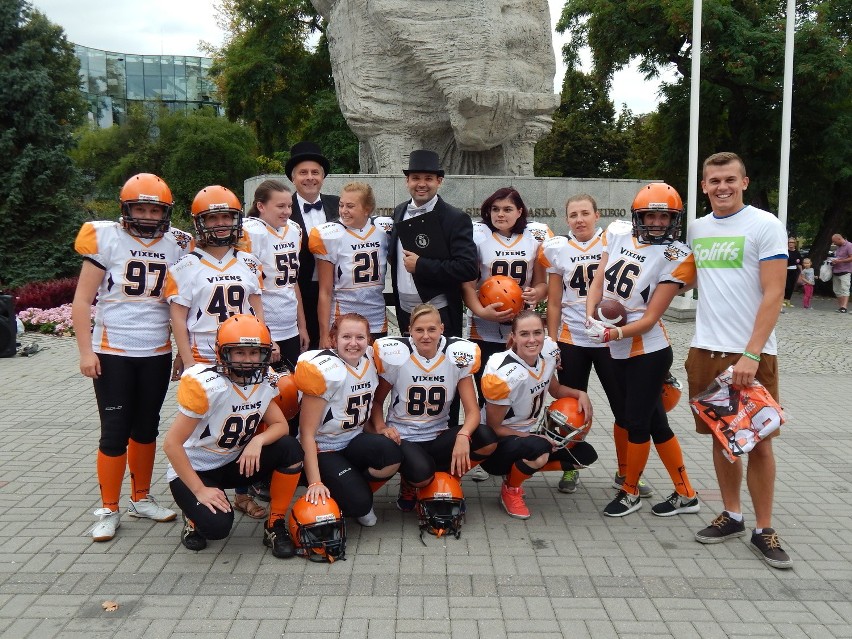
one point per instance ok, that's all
(841, 284)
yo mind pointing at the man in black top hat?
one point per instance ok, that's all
(306, 169)
(418, 278)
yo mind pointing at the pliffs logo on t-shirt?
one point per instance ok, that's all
(718, 252)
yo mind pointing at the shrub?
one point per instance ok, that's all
(45, 295)
(53, 321)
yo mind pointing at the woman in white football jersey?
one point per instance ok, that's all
(424, 372)
(129, 353)
(571, 264)
(507, 244)
(515, 385)
(338, 385)
(643, 266)
(352, 260)
(275, 241)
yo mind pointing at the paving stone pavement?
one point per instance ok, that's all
(565, 572)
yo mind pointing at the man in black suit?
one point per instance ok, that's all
(419, 279)
(306, 169)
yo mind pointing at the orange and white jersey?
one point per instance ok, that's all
(349, 391)
(277, 250)
(229, 414)
(513, 256)
(575, 262)
(423, 388)
(360, 258)
(132, 315)
(213, 290)
(633, 271)
(510, 381)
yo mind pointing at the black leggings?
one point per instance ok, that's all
(514, 450)
(279, 455)
(421, 460)
(576, 366)
(641, 378)
(344, 472)
(130, 394)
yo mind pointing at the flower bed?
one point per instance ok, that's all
(51, 321)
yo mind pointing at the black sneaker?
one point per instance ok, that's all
(767, 546)
(277, 538)
(721, 529)
(260, 490)
(191, 538)
(841, 310)
(623, 504)
(407, 498)
(676, 504)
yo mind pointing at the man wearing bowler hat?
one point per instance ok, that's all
(306, 169)
(416, 278)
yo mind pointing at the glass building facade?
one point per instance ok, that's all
(113, 81)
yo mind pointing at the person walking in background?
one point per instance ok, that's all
(794, 268)
(841, 267)
(807, 279)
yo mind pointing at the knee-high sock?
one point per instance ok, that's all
(140, 461)
(281, 490)
(110, 477)
(637, 458)
(375, 484)
(672, 458)
(517, 476)
(552, 465)
(619, 436)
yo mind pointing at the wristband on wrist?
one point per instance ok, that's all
(464, 435)
(316, 483)
(751, 356)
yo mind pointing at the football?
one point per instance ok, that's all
(611, 311)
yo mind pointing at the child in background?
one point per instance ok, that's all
(807, 279)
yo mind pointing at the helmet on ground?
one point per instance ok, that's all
(563, 423)
(657, 197)
(672, 390)
(441, 507)
(503, 289)
(145, 188)
(318, 530)
(239, 332)
(288, 394)
(213, 201)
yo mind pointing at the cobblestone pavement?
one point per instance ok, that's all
(567, 571)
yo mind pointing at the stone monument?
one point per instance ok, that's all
(469, 79)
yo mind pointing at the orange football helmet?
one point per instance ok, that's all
(288, 393)
(241, 331)
(318, 530)
(145, 188)
(563, 423)
(212, 200)
(672, 390)
(441, 506)
(503, 289)
(657, 197)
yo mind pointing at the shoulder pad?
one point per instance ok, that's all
(461, 352)
(620, 227)
(480, 232)
(331, 230)
(392, 351)
(384, 223)
(539, 231)
(182, 238)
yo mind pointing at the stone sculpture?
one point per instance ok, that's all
(469, 79)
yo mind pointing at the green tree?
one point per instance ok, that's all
(270, 77)
(40, 104)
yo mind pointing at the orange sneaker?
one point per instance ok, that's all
(512, 500)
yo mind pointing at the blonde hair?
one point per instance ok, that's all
(423, 309)
(582, 197)
(368, 198)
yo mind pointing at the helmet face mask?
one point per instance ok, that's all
(237, 339)
(145, 189)
(217, 216)
(657, 198)
(318, 530)
(441, 506)
(219, 234)
(562, 424)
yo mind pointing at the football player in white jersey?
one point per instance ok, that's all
(571, 263)
(341, 460)
(214, 442)
(424, 372)
(507, 244)
(352, 259)
(128, 355)
(515, 385)
(275, 240)
(213, 282)
(643, 267)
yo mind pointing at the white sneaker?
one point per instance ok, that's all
(369, 519)
(150, 509)
(477, 473)
(108, 523)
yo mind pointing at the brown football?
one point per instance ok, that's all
(611, 311)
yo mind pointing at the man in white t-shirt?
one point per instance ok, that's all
(741, 258)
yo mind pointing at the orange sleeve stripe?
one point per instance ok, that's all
(191, 396)
(685, 271)
(309, 379)
(171, 287)
(315, 243)
(542, 258)
(87, 240)
(494, 388)
(477, 362)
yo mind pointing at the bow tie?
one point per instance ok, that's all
(309, 207)
(417, 210)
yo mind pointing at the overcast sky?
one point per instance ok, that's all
(177, 27)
